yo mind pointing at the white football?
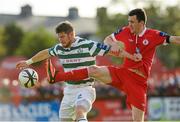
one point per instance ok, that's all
(28, 77)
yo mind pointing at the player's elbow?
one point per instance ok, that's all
(108, 40)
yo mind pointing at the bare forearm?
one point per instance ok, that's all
(109, 40)
(175, 39)
(115, 47)
(42, 55)
(126, 55)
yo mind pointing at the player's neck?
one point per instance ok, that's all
(72, 41)
(141, 31)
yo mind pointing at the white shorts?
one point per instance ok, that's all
(72, 95)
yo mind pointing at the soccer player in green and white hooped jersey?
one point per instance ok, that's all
(75, 53)
(81, 54)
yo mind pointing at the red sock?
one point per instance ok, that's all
(74, 75)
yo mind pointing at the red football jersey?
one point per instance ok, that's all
(146, 44)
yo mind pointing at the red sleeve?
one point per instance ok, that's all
(160, 37)
(120, 33)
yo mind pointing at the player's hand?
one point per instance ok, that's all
(22, 65)
(115, 48)
(137, 57)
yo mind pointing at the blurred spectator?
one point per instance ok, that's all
(177, 78)
(168, 85)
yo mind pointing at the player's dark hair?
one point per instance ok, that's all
(65, 27)
(140, 14)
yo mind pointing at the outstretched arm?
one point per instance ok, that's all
(117, 49)
(175, 39)
(42, 55)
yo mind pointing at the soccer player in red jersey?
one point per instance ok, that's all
(132, 76)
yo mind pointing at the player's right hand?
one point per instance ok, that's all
(22, 65)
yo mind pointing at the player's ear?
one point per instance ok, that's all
(71, 34)
(142, 22)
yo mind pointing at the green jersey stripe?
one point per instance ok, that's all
(87, 45)
(75, 65)
(82, 81)
(96, 52)
(52, 51)
(79, 55)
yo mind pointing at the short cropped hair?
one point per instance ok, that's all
(140, 14)
(65, 27)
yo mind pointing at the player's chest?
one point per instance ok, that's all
(73, 51)
(73, 55)
(134, 42)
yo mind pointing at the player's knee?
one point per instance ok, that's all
(83, 106)
(80, 112)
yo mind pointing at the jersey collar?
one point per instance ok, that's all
(142, 33)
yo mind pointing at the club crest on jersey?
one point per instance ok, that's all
(145, 42)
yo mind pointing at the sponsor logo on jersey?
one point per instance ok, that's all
(71, 60)
(130, 40)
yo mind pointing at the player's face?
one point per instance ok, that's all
(65, 39)
(134, 25)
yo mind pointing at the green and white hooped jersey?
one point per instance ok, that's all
(82, 53)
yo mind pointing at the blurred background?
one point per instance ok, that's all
(27, 26)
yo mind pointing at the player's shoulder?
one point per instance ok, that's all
(150, 30)
(58, 47)
(84, 40)
(81, 40)
(122, 30)
(155, 32)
